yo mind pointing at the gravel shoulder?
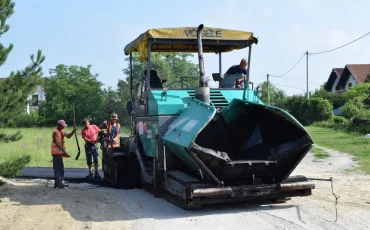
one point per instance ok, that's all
(35, 204)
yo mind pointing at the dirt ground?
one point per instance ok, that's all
(35, 204)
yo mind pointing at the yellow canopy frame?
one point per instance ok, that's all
(184, 39)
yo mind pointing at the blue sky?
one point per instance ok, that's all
(90, 32)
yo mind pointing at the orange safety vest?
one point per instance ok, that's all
(109, 130)
(60, 140)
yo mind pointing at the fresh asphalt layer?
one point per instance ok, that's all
(70, 174)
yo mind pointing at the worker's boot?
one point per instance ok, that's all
(90, 176)
(97, 176)
(60, 186)
(65, 184)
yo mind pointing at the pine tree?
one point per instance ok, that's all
(15, 89)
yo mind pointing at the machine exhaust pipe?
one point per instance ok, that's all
(202, 81)
(202, 93)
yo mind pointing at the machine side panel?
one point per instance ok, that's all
(147, 129)
(172, 102)
(182, 132)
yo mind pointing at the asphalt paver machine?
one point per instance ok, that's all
(203, 145)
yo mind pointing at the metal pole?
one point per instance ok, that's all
(148, 76)
(148, 65)
(268, 89)
(132, 96)
(307, 73)
(219, 63)
(248, 69)
(131, 83)
(219, 67)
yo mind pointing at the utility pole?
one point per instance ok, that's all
(268, 89)
(307, 73)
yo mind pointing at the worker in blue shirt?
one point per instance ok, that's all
(238, 69)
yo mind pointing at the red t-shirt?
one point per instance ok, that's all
(90, 133)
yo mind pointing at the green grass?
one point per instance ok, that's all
(36, 143)
(345, 142)
(319, 153)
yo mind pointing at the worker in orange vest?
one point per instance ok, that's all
(58, 151)
(114, 130)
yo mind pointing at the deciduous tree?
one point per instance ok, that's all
(68, 85)
(276, 95)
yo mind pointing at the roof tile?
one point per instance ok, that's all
(359, 71)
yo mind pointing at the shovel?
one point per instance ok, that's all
(74, 120)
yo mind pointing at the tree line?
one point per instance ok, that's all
(353, 106)
(67, 85)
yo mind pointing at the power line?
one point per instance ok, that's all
(342, 45)
(307, 53)
(293, 66)
(290, 87)
(289, 79)
(320, 77)
(322, 59)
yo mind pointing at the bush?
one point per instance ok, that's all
(355, 125)
(24, 120)
(13, 168)
(363, 114)
(27, 120)
(340, 120)
(307, 111)
(10, 124)
(320, 110)
(337, 122)
(351, 109)
(360, 125)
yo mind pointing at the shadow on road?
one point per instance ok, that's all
(88, 202)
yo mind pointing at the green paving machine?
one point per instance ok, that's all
(203, 145)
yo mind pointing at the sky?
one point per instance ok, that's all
(76, 32)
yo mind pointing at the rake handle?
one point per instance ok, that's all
(74, 121)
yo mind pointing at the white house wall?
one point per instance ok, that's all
(335, 85)
(41, 97)
(352, 80)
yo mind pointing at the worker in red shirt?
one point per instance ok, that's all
(90, 135)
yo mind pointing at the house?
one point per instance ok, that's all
(333, 80)
(34, 98)
(341, 79)
(353, 74)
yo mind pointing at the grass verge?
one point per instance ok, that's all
(319, 153)
(36, 143)
(344, 142)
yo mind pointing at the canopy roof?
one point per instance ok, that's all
(184, 39)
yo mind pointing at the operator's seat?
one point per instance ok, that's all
(155, 81)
